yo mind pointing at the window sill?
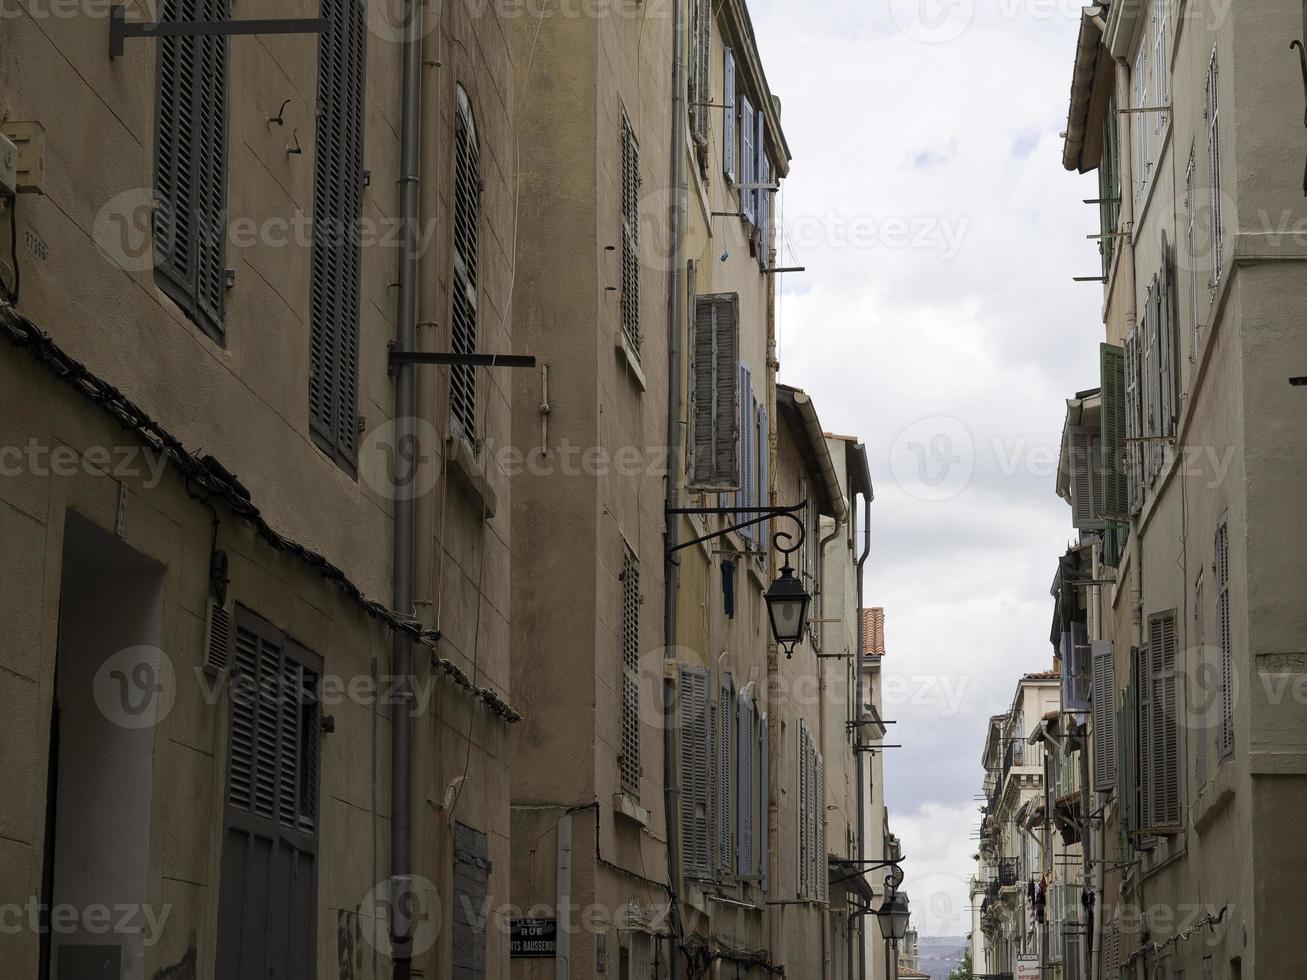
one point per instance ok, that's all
(632, 359)
(625, 806)
(462, 465)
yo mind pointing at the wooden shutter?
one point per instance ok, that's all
(1168, 344)
(629, 759)
(1112, 431)
(190, 166)
(748, 155)
(1199, 675)
(746, 796)
(1225, 734)
(819, 874)
(1104, 715)
(696, 772)
(728, 115)
(748, 432)
(336, 263)
(1145, 730)
(764, 800)
(801, 815)
(764, 469)
(1165, 739)
(726, 776)
(1086, 485)
(1134, 422)
(759, 166)
(467, 216)
(715, 394)
(701, 41)
(630, 204)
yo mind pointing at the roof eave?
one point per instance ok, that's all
(1088, 43)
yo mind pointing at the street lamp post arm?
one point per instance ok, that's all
(760, 515)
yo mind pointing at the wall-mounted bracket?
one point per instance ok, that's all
(397, 358)
(120, 29)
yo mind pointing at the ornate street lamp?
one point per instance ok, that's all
(787, 607)
(894, 916)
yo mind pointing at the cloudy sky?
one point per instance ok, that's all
(938, 322)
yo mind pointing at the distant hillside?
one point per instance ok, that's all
(940, 954)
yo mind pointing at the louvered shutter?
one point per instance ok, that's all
(1169, 344)
(728, 115)
(1225, 734)
(746, 797)
(336, 263)
(801, 816)
(764, 800)
(726, 776)
(1086, 504)
(715, 396)
(467, 217)
(1145, 732)
(759, 165)
(696, 772)
(748, 155)
(1112, 431)
(630, 234)
(699, 90)
(1104, 718)
(764, 211)
(764, 469)
(1165, 741)
(820, 876)
(748, 432)
(1134, 423)
(1204, 717)
(190, 223)
(629, 760)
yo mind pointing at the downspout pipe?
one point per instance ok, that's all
(401, 776)
(675, 312)
(858, 765)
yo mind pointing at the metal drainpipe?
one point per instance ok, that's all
(828, 949)
(675, 307)
(401, 792)
(857, 730)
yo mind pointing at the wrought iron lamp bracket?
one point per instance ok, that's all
(783, 541)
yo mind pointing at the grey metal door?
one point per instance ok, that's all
(267, 902)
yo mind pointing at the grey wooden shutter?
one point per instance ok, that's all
(1145, 732)
(630, 205)
(1200, 675)
(629, 759)
(726, 775)
(801, 779)
(746, 798)
(748, 157)
(336, 263)
(1225, 735)
(190, 166)
(728, 115)
(764, 800)
(715, 395)
(1152, 378)
(760, 196)
(695, 772)
(1165, 740)
(819, 827)
(748, 431)
(467, 213)
(1104, 715)
(1086, 486)
(764, 468)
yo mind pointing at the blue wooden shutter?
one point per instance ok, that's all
(336, 263)
(728, 114)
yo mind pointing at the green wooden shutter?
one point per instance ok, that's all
(1104, 717)
(1112, 437)
(336, 263)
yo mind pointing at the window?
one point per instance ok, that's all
(271, 841)
(696, 765)
(630, 235)
(714, 394)
(1152, 84)
(1160, 727)
(629, 760)
(190, 166)
(467, 216)
(337, 250)
(1225, 735)
(1212, 113)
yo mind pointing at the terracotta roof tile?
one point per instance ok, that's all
(874, 628)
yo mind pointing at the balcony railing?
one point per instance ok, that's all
(1007, 871)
